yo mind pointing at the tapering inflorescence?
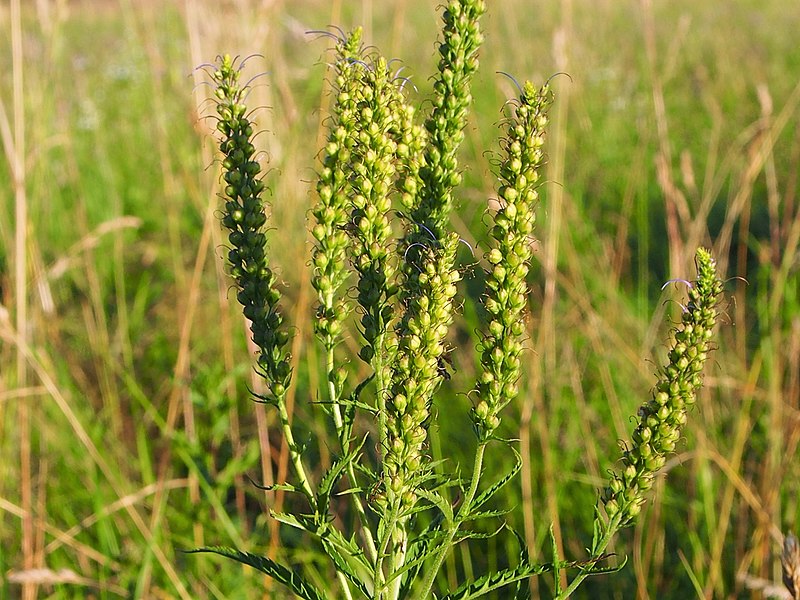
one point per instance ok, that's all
(245, 218)
(507, 289)
(373, 165)
(428, 289)
(332, 213)
(458, 62)
(662, 418)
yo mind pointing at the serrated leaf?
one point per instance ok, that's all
(492, 582)
(486, 514)
(348, 420)
(299, 521)
(342, 566)
(439, 501)
(332, 475)
(291, 579)
(594, 570)
(523, 591)
(419, 550)
(597, 528)
(486, 495)
(477, 535)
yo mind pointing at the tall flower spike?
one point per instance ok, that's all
(333, 189)
(426, 291)
(507, 290)
(429, 286)
(459, 60)
(662, 418)
(245, 218)
(373, 170)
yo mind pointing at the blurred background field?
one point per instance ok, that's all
(126, 430)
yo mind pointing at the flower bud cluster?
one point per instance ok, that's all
(428, 289)
(507, 289)
(411, 141)
(458, 61)
(332, 211)
(244, 217)
(662, 418)
(373, 169)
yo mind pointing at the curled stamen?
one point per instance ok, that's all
(684, 307)
(204, 66)
(395, 60)
(677, 280)
(467, 244)
(248, 57)
(408, 80)
(739, 278)
(513, 80)
(352, 61)
(430, 233)
(246, 86)
(410, 246)
(554, 75)
(322, 33)
(512, 102)
(319, 32)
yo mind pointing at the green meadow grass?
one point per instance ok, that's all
(124, 369)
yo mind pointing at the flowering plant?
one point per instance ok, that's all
(385, 193)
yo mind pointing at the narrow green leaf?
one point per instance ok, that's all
(486, 495)
(299, 521)
(419, 551)
(477, 535)
(486, 514)
(523, 591)
(439, 502)
(342, 566)
(332, 476)
(593, 569)
(494, 581)
(291, 579)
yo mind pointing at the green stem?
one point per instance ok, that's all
(383, 551)
(597, 551)
(466, 507)
(297, 462)
(345, 446)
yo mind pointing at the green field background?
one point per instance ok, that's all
(127, 434)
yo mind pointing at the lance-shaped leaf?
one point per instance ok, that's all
(291, 579)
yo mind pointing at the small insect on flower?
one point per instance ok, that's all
(376, 495)
(443, 362)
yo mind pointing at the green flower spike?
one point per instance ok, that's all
(245, 218)
(662, 418)
(332, 214)
(373, 171)
(416, 375)
(459, 60)
(333, 189)
(507, 290)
